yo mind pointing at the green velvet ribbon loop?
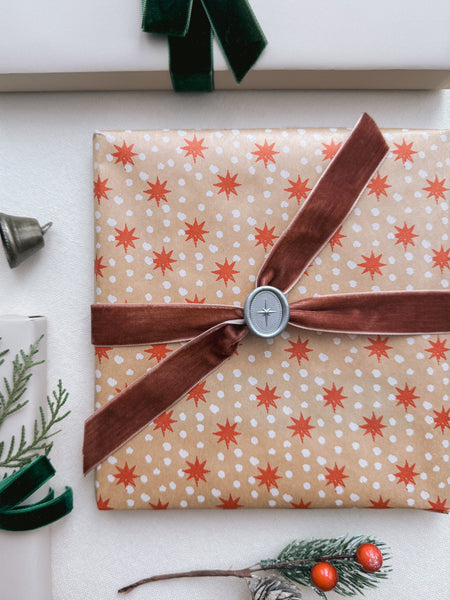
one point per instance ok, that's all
(190, 25)
(15, 489)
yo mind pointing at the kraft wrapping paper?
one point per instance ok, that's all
(308, 419)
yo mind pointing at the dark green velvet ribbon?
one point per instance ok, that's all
(190, 25)
(15, 489)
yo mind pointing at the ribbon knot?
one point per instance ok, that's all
(213, 332)
(190, 25)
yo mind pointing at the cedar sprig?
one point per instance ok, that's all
(42, 432)
(339, 552)
(21, 452)
(23, 363)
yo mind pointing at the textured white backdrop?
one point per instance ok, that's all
(45, 167)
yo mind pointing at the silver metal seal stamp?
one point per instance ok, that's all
(266, 311)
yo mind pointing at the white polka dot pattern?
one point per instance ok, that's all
(308, 419)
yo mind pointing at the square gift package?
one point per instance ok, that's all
(311, 45)
(308, 418)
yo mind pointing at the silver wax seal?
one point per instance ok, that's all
(266, 311)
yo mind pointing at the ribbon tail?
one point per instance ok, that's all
(170, 17)
(329, 203)
(136, 324)
(19, 486)
(238, 32)
(190, 56)
(399, 312)
(137, 405)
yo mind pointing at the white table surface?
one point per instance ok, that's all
(45, 158)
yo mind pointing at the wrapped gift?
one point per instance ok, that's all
(25, 554)
(311, 45)
(205, 398)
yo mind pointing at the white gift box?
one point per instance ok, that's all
(344, 44)
(25, 555)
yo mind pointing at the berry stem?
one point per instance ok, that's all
(247, 572)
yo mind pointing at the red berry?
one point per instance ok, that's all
(369, 557)
(324, 576)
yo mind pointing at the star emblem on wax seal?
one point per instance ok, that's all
(266, 311)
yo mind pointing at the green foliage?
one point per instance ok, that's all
(16, 454)
(295, 561)
(22, 365)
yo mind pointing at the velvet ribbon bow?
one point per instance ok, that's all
(15, 489)
(214, 331)
(190, 24)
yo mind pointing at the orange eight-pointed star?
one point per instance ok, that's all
(102, 352)
(265, 153)
(406, 473)
(378, 186)
(196, 470)
(299, 189)
(225, 271)
(299, 350)
(439, 505)
(158, 351)
(230, 503)
(441, 258)
(163, 260)
(405, 235)
(126, 475)
(436, 189)
(227, 433)
(268, 477)
(329, 150)
(406, 397)
(438, 349)
(195, 231)
(442, 419)
(335, 476)
(300, 504)
(227, 184)
(378, 347)
(194, 148)
(159, 505)
(196, 300)
(404, 151)
(100, 189)
(98, 266)
(265, 237)
(267, 397)
(198, 393)
(335, 240)
(301, 427)
(157, 191)
(380, 503)
(164, 422)
(372, 264)
(334, 397)
(125, 237)
(103, 504)
(124, 154)
(373, 425)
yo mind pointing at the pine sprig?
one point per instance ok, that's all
(294, 563)
(10, 402)
(43, 431)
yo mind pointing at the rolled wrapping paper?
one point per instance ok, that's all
(25, 555)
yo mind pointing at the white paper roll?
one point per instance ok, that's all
(24, 556)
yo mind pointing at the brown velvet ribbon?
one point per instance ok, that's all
(214, 331)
